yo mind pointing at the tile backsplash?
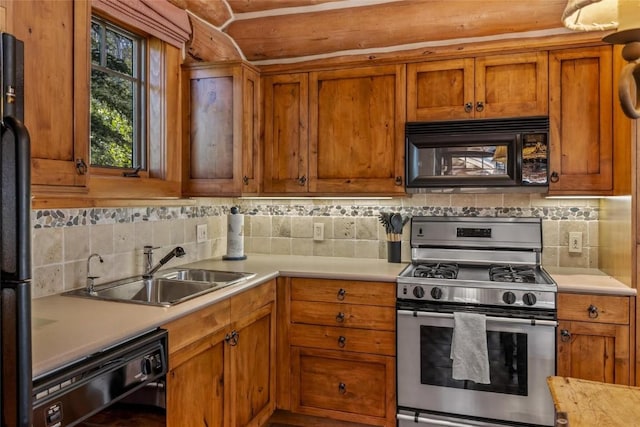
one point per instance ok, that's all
(64, 238)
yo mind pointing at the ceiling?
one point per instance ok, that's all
(283, 31)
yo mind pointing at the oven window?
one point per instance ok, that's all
(507, 361)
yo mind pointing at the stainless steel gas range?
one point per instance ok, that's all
(489, 267)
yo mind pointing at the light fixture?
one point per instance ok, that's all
(591, 15)
(624, 17)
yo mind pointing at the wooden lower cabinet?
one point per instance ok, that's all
(195, 390)
(222, 363)
(253, 369)
(594, 336)
(349, 386)
(336, 349)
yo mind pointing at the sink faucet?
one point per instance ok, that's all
(90, 277)
(150, 269)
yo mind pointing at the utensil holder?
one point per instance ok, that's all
(394, 251)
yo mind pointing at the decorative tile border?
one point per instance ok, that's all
(81, 217)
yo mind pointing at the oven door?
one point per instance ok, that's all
(521, 357)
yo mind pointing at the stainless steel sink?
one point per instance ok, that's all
(202, 275)
(169, 288)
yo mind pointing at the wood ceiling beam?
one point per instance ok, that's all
(388, 24)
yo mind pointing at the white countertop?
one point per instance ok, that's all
(66, 329)
(588, 280)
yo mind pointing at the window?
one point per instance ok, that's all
(118, 138)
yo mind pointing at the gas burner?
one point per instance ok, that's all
(436, 271)
(510, 273)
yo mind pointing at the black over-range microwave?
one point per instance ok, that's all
(477, 153)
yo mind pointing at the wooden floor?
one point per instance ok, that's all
(286, 419)
(149, 417)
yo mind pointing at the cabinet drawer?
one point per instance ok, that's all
(344, 339)
(344, 315)
(594, 308)
(333, 382)
(346, 291)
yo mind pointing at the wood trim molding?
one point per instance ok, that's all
(158, 18)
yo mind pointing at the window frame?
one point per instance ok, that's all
(162, 177)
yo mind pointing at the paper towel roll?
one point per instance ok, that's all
(235, 236)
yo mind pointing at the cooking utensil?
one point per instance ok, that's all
(396, 223)
(385, 220)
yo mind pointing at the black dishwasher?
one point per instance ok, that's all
(115, 382)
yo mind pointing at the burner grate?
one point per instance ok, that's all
(436, 271)
(510, 273)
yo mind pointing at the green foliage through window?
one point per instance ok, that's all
(117, 97)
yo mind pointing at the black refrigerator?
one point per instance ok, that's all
(15, 237)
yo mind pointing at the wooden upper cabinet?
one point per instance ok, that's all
(440, 90)
(490, 86)
(221, 129)
(56, 90)
(286, 133)
(335, 132)
(356, 130)
(580, 120)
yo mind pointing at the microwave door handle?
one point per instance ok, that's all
(431, 314)
(430, 421)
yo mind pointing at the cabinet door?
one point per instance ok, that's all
(286, 133)
(252, 355)
(594, 351)
(213, 130)
(511, 85)
(195, 390)
(356, 130)
(56, 73)
(251, 168)
(580, 118)
(440, 90)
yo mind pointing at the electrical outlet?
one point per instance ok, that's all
(575, 241)
(318, 231)
(201, 233)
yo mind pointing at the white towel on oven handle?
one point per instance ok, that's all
(469, 348)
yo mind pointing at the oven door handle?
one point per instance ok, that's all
(532, 322)
(430, 421)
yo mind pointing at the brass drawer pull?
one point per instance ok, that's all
(593, 311)
(342, 341)
(341, 294)
(340, 317)
(342, 388)
(565, 335)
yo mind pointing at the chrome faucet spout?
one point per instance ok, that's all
(176, 252)
(91, 278)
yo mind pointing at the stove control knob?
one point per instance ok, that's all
(418, 292)
(509, 297)
(436, 293)
(529, 298)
